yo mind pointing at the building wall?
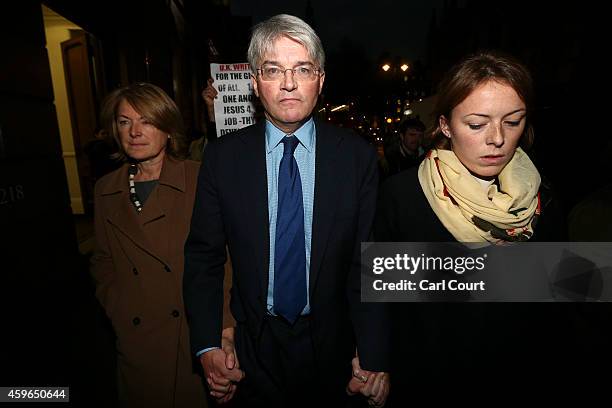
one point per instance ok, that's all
(56, 31)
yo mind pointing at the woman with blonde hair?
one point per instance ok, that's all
(142, 217)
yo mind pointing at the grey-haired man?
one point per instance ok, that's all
(292, 198)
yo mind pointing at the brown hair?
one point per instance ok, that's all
(461, 80)
(154, 104)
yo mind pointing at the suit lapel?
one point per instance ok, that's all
(162, 204)
(153, 217)
(154, 221)
(153, 209)
(127, 222)
(324, 198)
(255, 199)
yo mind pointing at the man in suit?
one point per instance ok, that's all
(292, 198)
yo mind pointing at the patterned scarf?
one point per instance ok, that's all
(505, 211)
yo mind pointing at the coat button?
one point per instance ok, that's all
(135, 271)
(167, 268)
(175, 313)
(136, 321)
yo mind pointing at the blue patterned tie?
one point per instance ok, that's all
(289, 251)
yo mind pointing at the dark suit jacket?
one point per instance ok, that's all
(231, 209)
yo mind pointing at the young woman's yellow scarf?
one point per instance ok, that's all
(505, 211)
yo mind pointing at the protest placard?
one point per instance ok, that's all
(234, 107)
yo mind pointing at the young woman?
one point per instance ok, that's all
(476, 185)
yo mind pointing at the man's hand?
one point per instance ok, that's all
(222, 368)
(209, 94)
(374, 385)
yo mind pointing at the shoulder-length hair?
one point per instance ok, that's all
(152, 103)
(463, 78)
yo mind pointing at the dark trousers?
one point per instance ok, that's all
(281, 367)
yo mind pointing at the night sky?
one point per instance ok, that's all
(399, 27)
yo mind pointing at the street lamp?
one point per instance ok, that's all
(404, 67)
(386, 67)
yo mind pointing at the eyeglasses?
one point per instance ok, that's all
(305, 72)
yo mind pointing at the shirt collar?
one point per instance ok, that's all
(305, 134)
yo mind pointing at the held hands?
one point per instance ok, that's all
(222, 369)
(373, 385)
